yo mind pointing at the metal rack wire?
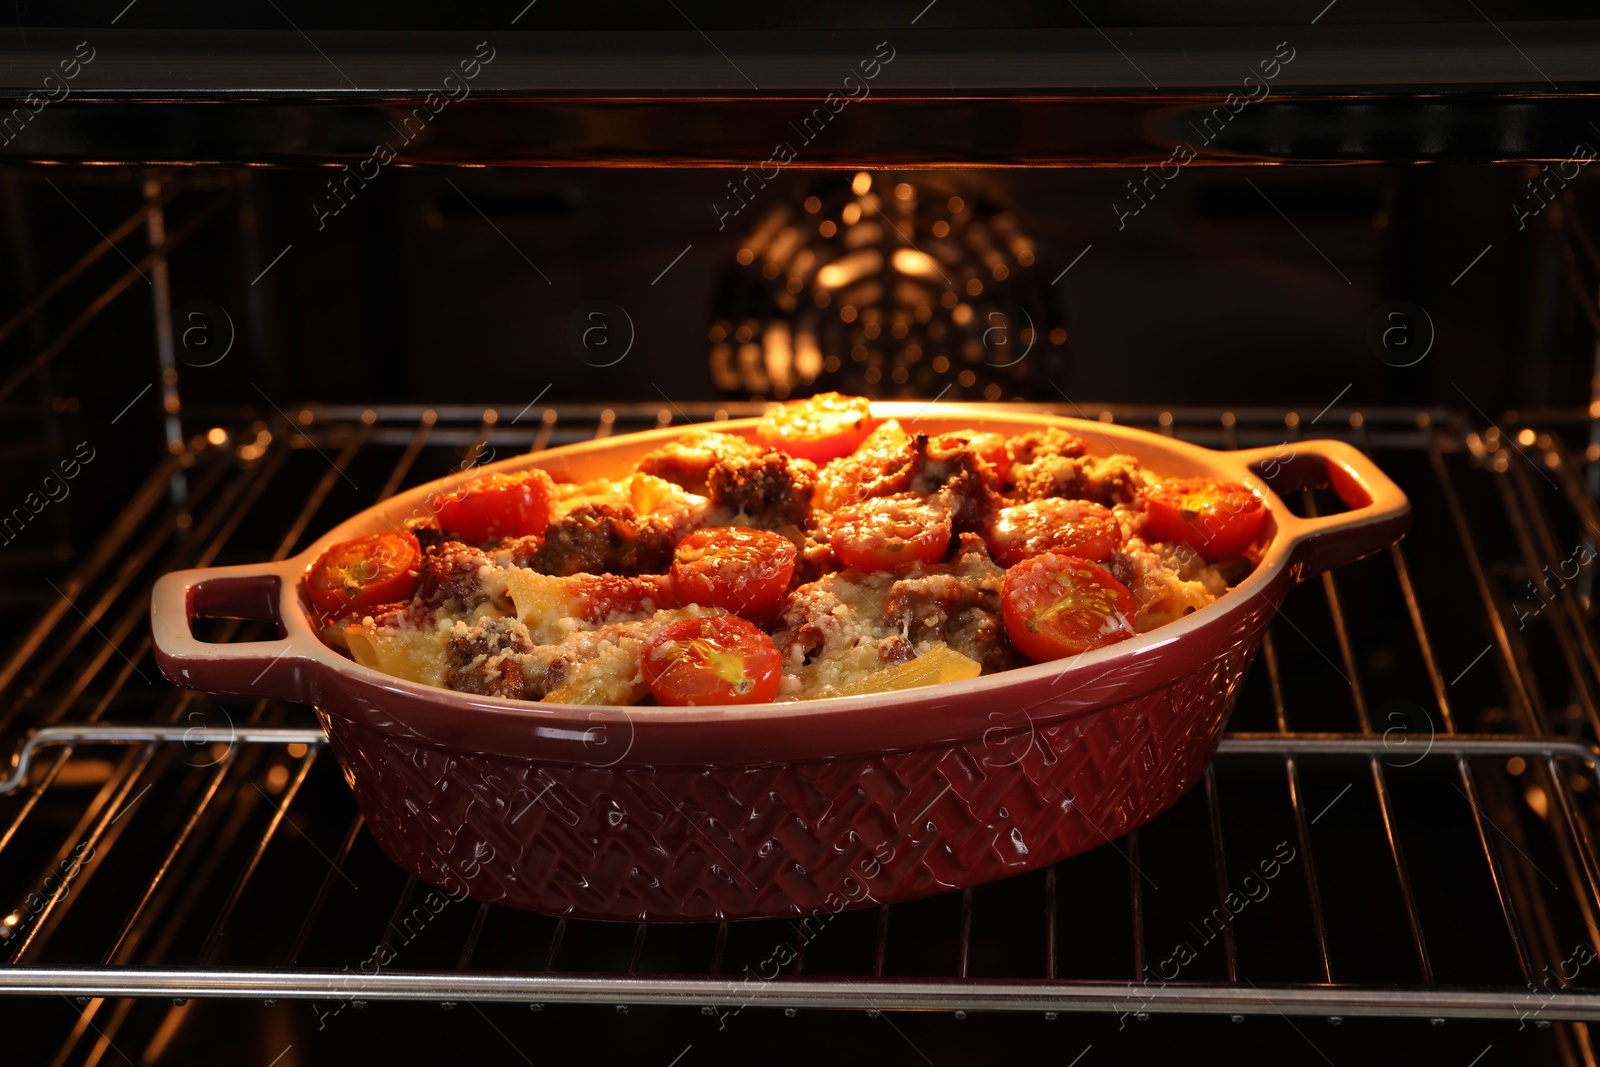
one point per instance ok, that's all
(1437, 807)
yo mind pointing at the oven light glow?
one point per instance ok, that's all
(915, 263)
(861, 183)
(1537, 801)
(850, 269)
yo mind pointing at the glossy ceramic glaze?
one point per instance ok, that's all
(784, 809)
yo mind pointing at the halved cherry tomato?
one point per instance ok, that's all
(1056, 605)
(497, 506)
(356, 575)
(881, 457)
(885, 533)
(738, 569)
(1216, 519)
(824, 427)
(718, 659)
(1055, 524)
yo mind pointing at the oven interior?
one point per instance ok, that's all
(226, 366)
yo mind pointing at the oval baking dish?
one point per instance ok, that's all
(700, 813)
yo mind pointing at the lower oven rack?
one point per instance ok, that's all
(713, 992)
(1430, 856)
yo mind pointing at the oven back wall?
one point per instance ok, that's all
(1222, 286)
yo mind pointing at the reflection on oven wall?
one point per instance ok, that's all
(1224, 287)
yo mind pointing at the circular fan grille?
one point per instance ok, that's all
(891, 288)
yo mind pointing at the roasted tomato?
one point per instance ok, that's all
(1055, 524)
(498, 506)
(358, 575)
(1216, 519)
(885, 533)
(882, 465)
(1057, 605)
(718, 659)
(826, 426)
(740, 570)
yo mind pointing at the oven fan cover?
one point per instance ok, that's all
(894, 288)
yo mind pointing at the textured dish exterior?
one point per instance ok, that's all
(785, 810)
(653, 843)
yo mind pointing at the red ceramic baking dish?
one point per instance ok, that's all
(699, 813)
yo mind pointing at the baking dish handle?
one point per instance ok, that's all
(251, 668)
(1379, 512)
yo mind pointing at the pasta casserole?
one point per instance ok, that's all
(827, 553)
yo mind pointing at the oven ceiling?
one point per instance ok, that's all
(1460, 92)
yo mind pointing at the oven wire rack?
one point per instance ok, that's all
(162, 843)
